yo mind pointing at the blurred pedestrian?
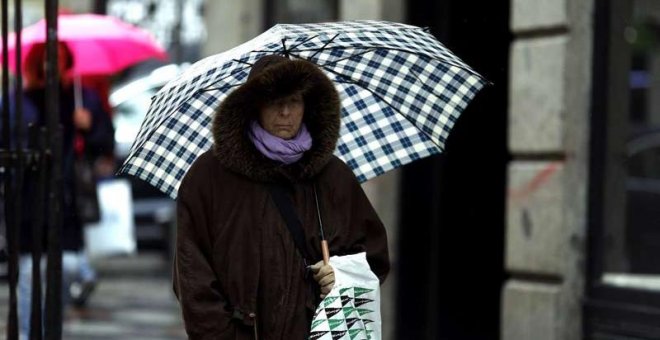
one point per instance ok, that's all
(95, 163)
(241, 270)
(83, 123)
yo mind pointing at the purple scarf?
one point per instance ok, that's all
(286, 151)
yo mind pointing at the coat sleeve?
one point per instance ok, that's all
(366, 231)
(100, 139)
(195, 283)
(374, 237)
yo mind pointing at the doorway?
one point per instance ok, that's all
(451, 241)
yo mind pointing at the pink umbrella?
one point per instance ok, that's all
(100, 44)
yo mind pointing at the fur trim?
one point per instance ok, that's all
(233, 147)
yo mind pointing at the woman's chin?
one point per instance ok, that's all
(285, 134)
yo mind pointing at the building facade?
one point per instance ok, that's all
(547, 190)
(540, 220)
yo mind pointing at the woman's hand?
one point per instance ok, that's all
(82, 119)
(324, 276)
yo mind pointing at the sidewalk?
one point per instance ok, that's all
(133, 300)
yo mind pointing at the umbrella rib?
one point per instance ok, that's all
(359, 83)
(300, 43)
(242, 62)
(265, 51)
(304, 41)
(362, 85)
(206, 89)
(324, 46)
(450, 62)
(423, 85)
(286, 52)
(158, 124)
(261, 51)
(349, 57)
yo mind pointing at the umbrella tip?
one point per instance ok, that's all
(285, 51)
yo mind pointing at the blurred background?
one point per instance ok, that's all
(541, 219)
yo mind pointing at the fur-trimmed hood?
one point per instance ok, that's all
(273, 77)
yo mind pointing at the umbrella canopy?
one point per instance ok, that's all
(100, 44)
(401, 93)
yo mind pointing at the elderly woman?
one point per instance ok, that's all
(239, 273)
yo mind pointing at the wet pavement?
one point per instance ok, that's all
(133, 300)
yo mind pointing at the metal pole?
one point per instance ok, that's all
(20, 137)
(176, 33)
(18, 125)
(100, 6)
(54, 136)
(12, 321)
(38, 170)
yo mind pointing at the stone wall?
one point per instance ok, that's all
(231, 23)
(546, 200)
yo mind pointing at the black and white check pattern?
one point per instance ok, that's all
(401, 90)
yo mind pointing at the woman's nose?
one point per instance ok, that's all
(285, 110)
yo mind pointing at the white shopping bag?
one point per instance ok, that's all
(351, 311)
(114, 234)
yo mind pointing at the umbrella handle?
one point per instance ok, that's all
(326, 252)
(324, 244)
(77, 92)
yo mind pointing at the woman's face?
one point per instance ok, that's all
(283, 117)
(34, 70)
(62, 59)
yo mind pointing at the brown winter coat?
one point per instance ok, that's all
(237, 270)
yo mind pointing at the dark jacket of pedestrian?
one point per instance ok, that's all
(98, 140)
(238, 273)
(97, 137)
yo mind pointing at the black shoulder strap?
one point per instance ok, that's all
(283, 203)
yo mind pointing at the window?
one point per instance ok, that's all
(623, 288)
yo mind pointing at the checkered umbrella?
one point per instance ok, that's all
(401, 93)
